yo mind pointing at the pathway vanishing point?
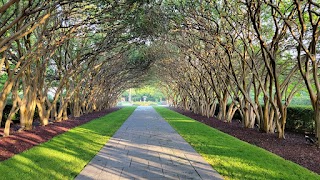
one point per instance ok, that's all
(147, 147)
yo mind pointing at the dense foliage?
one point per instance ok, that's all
(248, 56)
(62, 57)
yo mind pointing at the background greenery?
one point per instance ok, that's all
(152, 92)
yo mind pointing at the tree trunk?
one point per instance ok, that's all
(246, 115)
(223, 106)
(65, 113)
(43, 114)
(13, 111)
(3, 97)
(213, 109)
(76, 105)
(6, 131)
(54, 111)
(231, 110)
(222, 110)
(266, 116)
(62, 113)
(26, 114)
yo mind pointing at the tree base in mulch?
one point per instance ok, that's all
(21, 141)
(293, 148)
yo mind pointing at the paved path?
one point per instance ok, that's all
(147, 147)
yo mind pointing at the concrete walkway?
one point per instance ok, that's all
(147, 147)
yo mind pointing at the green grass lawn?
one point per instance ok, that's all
(231, 157)
(64, 156)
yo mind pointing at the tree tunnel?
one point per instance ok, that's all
(215, 58)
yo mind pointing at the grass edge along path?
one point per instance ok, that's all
(231, 157)
(64, 156)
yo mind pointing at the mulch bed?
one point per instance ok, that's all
(21, 141)
(293, 148)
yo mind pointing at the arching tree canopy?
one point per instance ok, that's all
(77, 55)
(250, 56)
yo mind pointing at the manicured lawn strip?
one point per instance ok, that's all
(64, 156)
(231, 157)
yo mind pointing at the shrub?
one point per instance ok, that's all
(300, 119)
(6, 112)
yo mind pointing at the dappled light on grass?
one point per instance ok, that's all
(183, 119)
(180, 120)
(64, 156)
(232, 158)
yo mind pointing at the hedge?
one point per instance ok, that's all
(299, 118)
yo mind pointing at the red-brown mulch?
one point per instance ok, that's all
(293, 148)
(21, 141)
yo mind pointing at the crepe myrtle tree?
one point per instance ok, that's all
(304, 30)
(59, 47)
